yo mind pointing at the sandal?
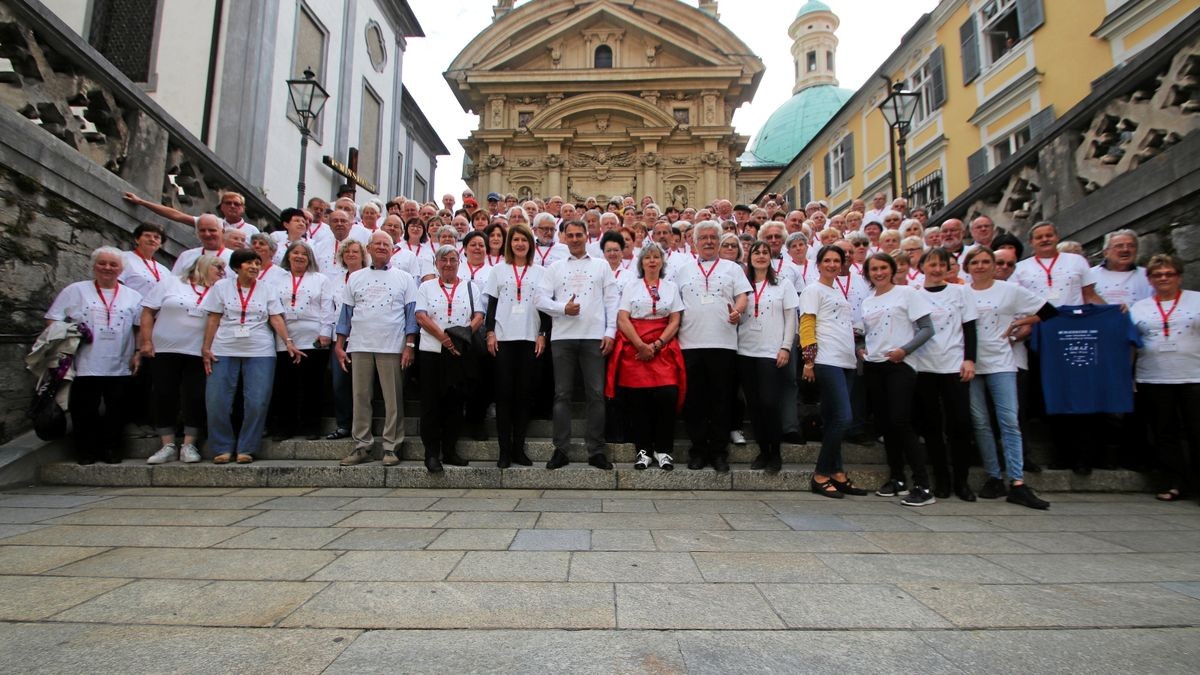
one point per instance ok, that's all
(825, 488)
(222, 458)
(244, 459)
(1172, 495)
(848, 487)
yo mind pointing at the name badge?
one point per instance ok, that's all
(755, 326)
(106, 333)
(706, 299)
(196, 311)
(1168, 347)
(518, 310)
(241, 331)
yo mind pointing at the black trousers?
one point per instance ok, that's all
(441, 405)
(178, 383)
(98, 435)
(944, 401)
(763, 384)
(514, 374)
(1174, 416)
(710, 394)
(651, 416)
(299, 391)
(891, 389)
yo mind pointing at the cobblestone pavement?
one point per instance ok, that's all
(350, 580)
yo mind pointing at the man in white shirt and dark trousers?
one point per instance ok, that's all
(581, 296)
(380, 312)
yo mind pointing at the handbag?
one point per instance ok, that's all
(49, 420)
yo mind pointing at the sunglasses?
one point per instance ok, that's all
(861, 244)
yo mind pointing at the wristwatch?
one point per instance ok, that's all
(410, 345)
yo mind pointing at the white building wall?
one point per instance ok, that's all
(74, 13)
(181, 64)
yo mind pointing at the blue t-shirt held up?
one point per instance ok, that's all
(1086, 362)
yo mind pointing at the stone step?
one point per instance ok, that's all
(538, 449)
(412, 474)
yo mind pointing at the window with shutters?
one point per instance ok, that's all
(837, 166)
(995, 30)
(928, 193)
(1009, 145)
(1001, 30)
(805, 192)
(921, 83)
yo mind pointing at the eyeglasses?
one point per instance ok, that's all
(1005, 263)
(1163, 275)
(729, 244)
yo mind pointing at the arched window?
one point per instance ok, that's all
(604, 56)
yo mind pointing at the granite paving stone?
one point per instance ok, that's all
(356, 492)
(765, 568)
(818, 523)
(7, 531)
(468, 540)
(1018, 652)
(512, 566)
(390, 566)
(459, 605)
(1188, 588)
(634, 566)
(482, 520)
(28, 514)
(627, 505)
(29, 598)
(1063, 542)
(285, 537)
(385, 539)
(1153, 542)
(627, 521)
(622, 540)
(893, 569)
(106, 516)
(65, 648)
(127, 535)
(272, 491)
(566, 505)
(944, 542)
(832, 652)
(47, 501)
(412, 519)
(38, 559)
(883, 523)
(306, 503)
(552, 540)
(182, 502)
(694, 606)
(389, 504)
(280, 518)
(849, 606)
(196, 602)
(1102, 567)
(754, 521)
(955, 524)
(800, 542)
(210, 563)
(711, 506)
(475, 504)
(1056, 523)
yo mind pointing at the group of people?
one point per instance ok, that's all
(893, 326)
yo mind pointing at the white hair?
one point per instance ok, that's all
(705, 225)
(107, 250)
(539, 218)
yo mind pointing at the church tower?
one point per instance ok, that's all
(814, 46)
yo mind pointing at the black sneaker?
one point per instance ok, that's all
(919, 497)
(557, 460)
(762, 461)
(720, 463)
(892, 488)
(1022, 495)
(697, 462)
(993, 488)
(600, 462)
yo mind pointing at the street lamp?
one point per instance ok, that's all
(308, 99)
(898, 109)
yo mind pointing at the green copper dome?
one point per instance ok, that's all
(813, 6)
(794, 124)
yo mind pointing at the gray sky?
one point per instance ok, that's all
(870, 30)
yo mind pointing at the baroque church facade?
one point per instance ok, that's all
(583, 98)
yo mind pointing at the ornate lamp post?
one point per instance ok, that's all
(898, 109)
(308, 99)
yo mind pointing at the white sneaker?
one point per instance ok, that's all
(642, 461)
(189, 454)
(167, 453)
(665, 462)
(737, 437)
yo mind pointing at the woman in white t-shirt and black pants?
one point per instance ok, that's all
(765, 337)
(244, 316)
(1167, 372)
(173, 320)
(897, 322)
(104, 364)
(945, 366)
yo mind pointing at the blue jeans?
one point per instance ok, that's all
(835, 415)
(1003, 389)
(258, 376)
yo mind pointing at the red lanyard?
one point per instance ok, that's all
(779, 269)
(617, 272)
(708, 273)
(546, 254)
(199, 295)
(758, 293)
(149, 265)
(313, 232)
(473, 269)
(913, 273)
(245, 299)
(857, 268)
(495, 262)
(108, 305)
(449, 297)
(217, 254)
(416, 252)
(264, 272)
(844, 289)
(1048, 270)
(1166, 316)
(652, 291)
(519, 278)
(296, 281)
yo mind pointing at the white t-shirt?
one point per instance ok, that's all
(1070, 274)
(448, 305)
(1122, 288)
(179, 325)
(140, 274)
(943, 353)
(326, 252)
(273, 276)
(800, 275)
(595, 290)
(112, 320)
(477, 274)
(855, 289)
(623, 275)
(835, 324)
(769, 322)
(548, 255)
(379, 298)
(252, 337)
(636, 299)
(309, 312)
(888, 320)
(515, 319)
(281, 245)
(185, 259)
(995, 308)
(317, 232)
(242, 226)
(360, 232)
(708, 289)
(1174, 359)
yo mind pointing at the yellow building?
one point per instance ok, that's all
(992, 74)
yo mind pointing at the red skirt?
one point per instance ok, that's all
(666, 369)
